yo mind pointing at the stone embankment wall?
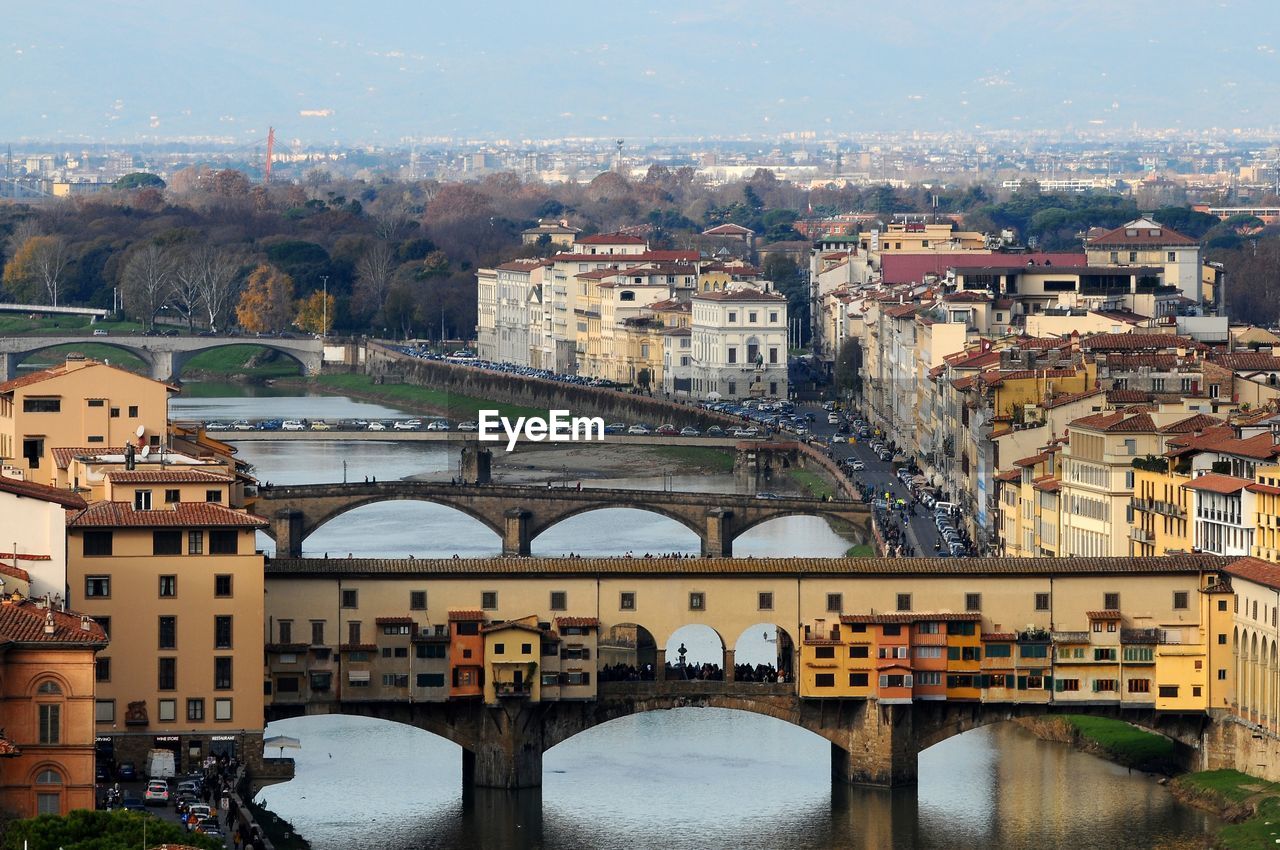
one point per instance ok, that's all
(1231, 743)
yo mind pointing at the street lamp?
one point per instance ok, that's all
(324, 306)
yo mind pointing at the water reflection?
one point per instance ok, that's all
(709, 778)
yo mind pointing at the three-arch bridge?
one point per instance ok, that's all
(518, 513)
(164, 355)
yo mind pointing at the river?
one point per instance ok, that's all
(688, 778)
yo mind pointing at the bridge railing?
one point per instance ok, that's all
(692, 688)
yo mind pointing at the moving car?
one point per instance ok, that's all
(857, 465)
(377, 426)
(157, 793)
(764, 494)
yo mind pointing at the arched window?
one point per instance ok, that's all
(48, 686)
(48, 776)
(48, 792)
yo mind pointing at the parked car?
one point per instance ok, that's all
(839, 438)
(406, 425)
(689, 431)
(639, 431)
(715, 431)
(616, 428)
(157, 793)
(321, 425)
(126, 771)
(437, 425)
(376, 426)
(99, 331)
(216, 426)
(292, 425)
(765, 494)
(666, 430)
(241, 425)
(468, 426)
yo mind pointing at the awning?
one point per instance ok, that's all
(357, 675)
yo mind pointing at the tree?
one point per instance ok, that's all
(36, 269)
(788, 281)
(848, 366)
(99, 830)
(643, 377)
(146, 283)
(315, 313)
(373, 278)
(267, 301)
(139, 180)
(218, 272)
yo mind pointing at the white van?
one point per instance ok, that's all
(160, 765)
(944, 507)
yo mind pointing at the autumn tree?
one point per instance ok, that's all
(266, 305)
(146, 283)
(35, 272)
(315, 313)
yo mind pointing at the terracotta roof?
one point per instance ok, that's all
(1265, 489)
(913, 617)
(455, 616)
(25, 622)
(1223, 441)
(577, 622)
(1126, 316)
(7, 568)
(167, 476)
(519, 266)
(1127, 396)
(529, 567)
(1135, 342)
(42, 492)
(1119, 422)
(33, 378)
(1191, 424)
(122, 515)
(1010, 475)
(1048, 485)
(512, 624)
(966, 297)
(393, 621)
(999, 636)
(1068, 398)
(609, 239)
(1164, 362)
(1033, 460)
(1256, 570)
(901, 311)
(1139, 233)
(1103, 615)
(1215, 482)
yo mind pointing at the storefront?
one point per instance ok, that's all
(221, 746)
(105, 752)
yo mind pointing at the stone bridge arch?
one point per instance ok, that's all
(15, 358)
(290, 525)
(544, 521)
(178, 359)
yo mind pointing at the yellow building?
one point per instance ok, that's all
(80, 403)
(178, 587)
(1160, 508)
(513, 651)
(1266, 536)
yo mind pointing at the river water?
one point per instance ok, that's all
(689, 778)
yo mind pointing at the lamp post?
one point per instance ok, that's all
(324, 306)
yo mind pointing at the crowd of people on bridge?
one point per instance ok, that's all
(762, 673)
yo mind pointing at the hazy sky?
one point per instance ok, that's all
(382, 70)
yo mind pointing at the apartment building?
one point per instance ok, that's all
(1144, 242)
(739, 344)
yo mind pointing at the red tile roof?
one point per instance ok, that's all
(577, 622)
(999, 636)
(1191, 424)
(455, 616)
(912, 268)
(512, 624)
(1216, 482)
(10, 570)
(1068, 398)
(1120, 422)
(42, 492)
(1048, 485)
(1103, 615)
(167, 476)
(1033, 460)
(1256, 570)
(1010, 476)
(1164, 362)
(63, 455)
(1138, 234)
(728, 229)
(1136, 342)
(1246, 361)
(26, 621)
(901, 311)
(32, 378)
(122, 515)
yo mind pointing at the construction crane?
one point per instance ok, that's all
(271, 149)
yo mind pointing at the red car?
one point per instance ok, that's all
(667, 430)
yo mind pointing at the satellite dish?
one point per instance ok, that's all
(146, 450)
(141, 430)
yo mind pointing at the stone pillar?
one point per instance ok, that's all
(729, 675)
(8, 367)
(660, 665)
(286, 526)
(162, 365)
(476, 465)
(508, 751)
(715, 543)
(515, 535)
(878, 748)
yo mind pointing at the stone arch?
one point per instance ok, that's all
(698, 655)
(740, 529)
(181, 358)
(538, 526)
(784, 645)
(315, 524)
(116, 343)
(935, 722)
(627, 645)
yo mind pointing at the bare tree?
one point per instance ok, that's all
(185, 289)
(145, 282)
(373, 278)
(219, 271)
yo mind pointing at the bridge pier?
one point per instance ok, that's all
(878, 748)
(515, 533)
(728, 665)
(286, 528)
(8, 367)
(715, 542)
(508, 752)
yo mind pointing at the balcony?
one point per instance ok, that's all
(1140, 636)
(1141, 535)
(512, 690)
(1070, 637)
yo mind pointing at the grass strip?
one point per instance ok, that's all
(703, 457)
(1127, 744)
(419, 399)
(815, 484)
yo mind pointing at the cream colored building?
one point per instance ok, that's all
(739, 345)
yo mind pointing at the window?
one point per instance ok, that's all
(97, 586)
(489, 600)
(222, 673)
(353, 633)
(222, 709)
(168, 632)
(168, 586)
(224, 541)
(96, 402)
(172, 495)
(417, 600)
(142, 500)
(824, 680)
(858, 680)
(733, 318)
(891, 630)
(835, 602)
(764, 601)
(105, 622)
(350, 599)
(50, 723)
(133, 411)
(166, 542)
(114, 413)
(999, 650)
(195, 705)
(167, 674)
(195, 542)
(397, 629)
(752, 317)
(102, 669)
(1067, 685)
(1042, 602)
(1138, 653)
(97, 544)
(1033, 650)
(286, 631)
(627, 601)
(432, 650)
(213, 495)
(1222, 639)
(558, 601)
(222, 632)
(221, 585)
(1222, 674)
(1111, 601)
(104, 711)
(42, 405)
(1169, 691)
(697, 601)
(526, 649)
(1139, 686)
(1107, 653)
(317, 632)
(499, 649)
(824, 652)
(859, 651)
(733, 354)
(904, 601)
(431, 680)
(973, 602)
(1180, 600)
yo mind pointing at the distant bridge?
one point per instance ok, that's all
(518, 514)
(165, 356)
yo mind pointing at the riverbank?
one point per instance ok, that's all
(1250, 806)
(1113, 740)
(588, 462)
(415, 399)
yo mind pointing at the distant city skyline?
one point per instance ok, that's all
(142, 71)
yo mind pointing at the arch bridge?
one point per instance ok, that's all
(871, 743)
(164, 356)
(518, 513)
